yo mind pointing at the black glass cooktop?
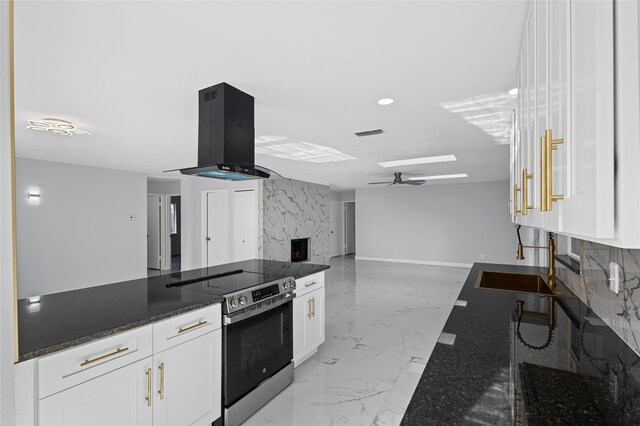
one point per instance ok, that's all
(229, 282)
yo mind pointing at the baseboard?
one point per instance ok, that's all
(417, 262)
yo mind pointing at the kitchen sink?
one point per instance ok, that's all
(513, 282)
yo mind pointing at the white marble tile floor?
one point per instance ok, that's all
(383, 320)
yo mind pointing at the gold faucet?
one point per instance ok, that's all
(551, 251)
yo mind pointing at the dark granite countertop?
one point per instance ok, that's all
(70, 318)
(584, 374)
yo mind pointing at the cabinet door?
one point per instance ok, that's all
(245, 225)
(315, 334)
(115, 398)
(188, 382)
(301, 309)
(588, 205)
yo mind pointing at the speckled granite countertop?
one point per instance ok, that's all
(63, 320)
(585, 374)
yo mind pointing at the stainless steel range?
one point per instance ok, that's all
(257, 338)
(257, 347)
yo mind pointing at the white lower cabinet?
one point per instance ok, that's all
(116, 398)
(119, 380)
(188, 382)
(308, 317)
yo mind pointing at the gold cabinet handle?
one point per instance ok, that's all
(161, 391)
(311, 283)
(548, 146)
(100, 358)
(309, 308)
(524, 205)
(191, 327)
(515, 199)
(148, 397)
(313, 304)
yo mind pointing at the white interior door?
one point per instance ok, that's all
(245, 225)
(218, 228)
(154, 225)
(350, 227)
(334, 225)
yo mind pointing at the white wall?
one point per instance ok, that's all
(163, 186)
(455, 223)
(80, 234)
(191, 189)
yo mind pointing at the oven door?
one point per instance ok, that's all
(256, 348)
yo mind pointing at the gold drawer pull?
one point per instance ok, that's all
(515, 199)
(311, 283)
(161, 391)
(524, 205)
(100, 358)
(191, 327)
(548, 146)
(148, 397)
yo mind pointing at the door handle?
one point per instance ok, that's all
(208, 239)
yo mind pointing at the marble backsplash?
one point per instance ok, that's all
(619, 311)
(294, 209)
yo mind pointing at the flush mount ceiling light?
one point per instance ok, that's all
(513, 91)
(423, 160)
(385, 101)
(303, 151)
(56, 126)
(491, 113)
(454, 176)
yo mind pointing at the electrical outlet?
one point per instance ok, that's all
(482, 256)
(614, 277)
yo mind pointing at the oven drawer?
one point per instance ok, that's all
(309, 283)
(81, 363)
(181, 328)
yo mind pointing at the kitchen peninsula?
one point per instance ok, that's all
(70, 341)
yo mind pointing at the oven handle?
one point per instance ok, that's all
(232, 319)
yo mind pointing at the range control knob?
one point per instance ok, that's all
(243, 300)
(285, 286)
(293, 285)
(233, 302)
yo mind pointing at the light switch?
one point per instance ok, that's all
(614, 277)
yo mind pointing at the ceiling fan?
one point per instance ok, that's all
(397, 180)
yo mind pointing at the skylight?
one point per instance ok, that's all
(491, 113)
(434, 177)
(422, 160)
(304, 151)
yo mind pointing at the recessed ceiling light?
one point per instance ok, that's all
(459, 175)
(385, 101)
(56, 126)
(423, 160)
(513, 91)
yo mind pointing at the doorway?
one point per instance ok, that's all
(349, 227)
(335, 225)
(154, 231)
(175, 226)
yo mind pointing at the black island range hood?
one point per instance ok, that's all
(226, 135)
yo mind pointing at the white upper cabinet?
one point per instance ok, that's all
(588, 205)
(564, 141)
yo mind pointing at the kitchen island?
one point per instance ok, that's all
(580, 372)
(58, 321)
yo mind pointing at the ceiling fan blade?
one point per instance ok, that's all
(413, 182)
(378, 183)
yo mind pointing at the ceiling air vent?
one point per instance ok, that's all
(370, 132)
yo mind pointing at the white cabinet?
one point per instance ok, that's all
(563, 145)
(308, 317)
(188, 382)
(118, 398)
(168, 373)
